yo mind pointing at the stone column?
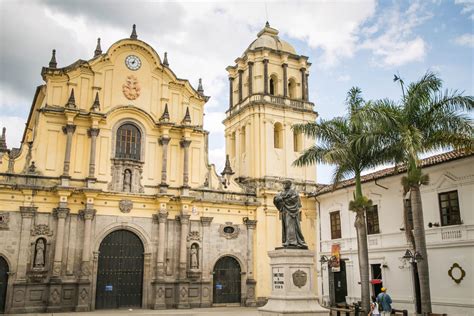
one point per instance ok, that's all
(250, 63)
(160, 258)
(61, 213)
(185, 145)
(27, 214)
(265, 76)
(231, 92)
(303, 83)
(285, 80)
(206, 269)
(251, 282)
(88, 215)
(69, 131)
(93, 133)
(307, 87)
(240, 84)
(163, 141)
(183, 284)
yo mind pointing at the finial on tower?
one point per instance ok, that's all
(3, 141)
(267, 24)
(71, 102)
(96, 104)
(165, 117)
(52, 62)
(187, 117)
(134, 32)
(165, 60)
(227, 169)
(98, 49)
(200, 89)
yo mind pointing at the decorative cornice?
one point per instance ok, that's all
(251, 224)
(206, 221)
(164, 140)
(61, 212)
(185, 143)
(69, 128)
(28, 211)
(87, 214)
(93, 131)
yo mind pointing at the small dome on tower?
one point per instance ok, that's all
(268, 38)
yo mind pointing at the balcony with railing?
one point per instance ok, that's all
(272, 99)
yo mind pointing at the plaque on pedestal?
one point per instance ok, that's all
(292, 284)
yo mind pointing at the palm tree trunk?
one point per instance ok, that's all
(363, 250)
(406, 221)
(420, 243)
(363, 253)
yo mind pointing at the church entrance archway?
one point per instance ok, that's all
(227, 281)
(120, 271)
(3, 283)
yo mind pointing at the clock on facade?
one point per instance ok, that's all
(133, 62)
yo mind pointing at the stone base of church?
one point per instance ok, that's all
(292, 284)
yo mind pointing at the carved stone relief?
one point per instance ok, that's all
(194, 236)
(41, 229)
(4, 220)
(229, 230)
(125, 206)
(131, 88)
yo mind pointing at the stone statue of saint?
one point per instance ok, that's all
(39, 253)
(194, 257)
(288, 203)
(127, 181)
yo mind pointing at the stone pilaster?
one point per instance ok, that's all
(250, 64)
(265, 76)
(183, 284)
(251, 282)
(87, 215)
(307, 87)
(303, 83)
(93, 133)
(240, 84)
(206, 245)
(61, 214)
(231, 92)
(69, 130)
(285, 80)
(164, 141)
(185, 145)
(27, 214)
(160, 258)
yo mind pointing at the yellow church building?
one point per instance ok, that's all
(111, 201)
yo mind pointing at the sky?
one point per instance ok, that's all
(349, 43)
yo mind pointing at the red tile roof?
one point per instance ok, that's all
(392, 171)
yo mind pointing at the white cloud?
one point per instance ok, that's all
(213, 122)
(468, 7)
(217, 157)
(397, 44)
(343, 78)
(465, 40)
(15, 126)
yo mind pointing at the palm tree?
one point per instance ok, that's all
(424, 120)
(347, 143)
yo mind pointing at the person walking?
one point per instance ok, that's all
(374, 307)
(385, 303)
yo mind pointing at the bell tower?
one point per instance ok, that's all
(268, 93)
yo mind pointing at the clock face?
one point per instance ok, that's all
(133, 62)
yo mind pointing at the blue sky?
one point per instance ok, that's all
(350, 43)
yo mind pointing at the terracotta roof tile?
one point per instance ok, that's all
(426, 162)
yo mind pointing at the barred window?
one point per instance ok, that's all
(335, 225)
(372, 217)
(449, 208)
(128, 142)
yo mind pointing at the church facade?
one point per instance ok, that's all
(111, 201)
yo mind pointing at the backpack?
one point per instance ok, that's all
(381, 303)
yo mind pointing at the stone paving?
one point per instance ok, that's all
(215, 311)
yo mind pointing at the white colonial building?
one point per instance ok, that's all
(449, 225)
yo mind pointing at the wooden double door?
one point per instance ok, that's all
(120, 271)
(227, 281)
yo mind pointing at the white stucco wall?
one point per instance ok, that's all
(446, 245)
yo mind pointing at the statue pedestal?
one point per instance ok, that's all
(292, 284)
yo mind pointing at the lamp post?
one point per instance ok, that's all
(414, 258)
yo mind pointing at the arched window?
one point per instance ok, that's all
(297, 141)
(232, 145)
(128, 142)
(243, 140)
(292, 88)
(273, 85)
(278, 135)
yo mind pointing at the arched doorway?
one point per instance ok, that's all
(226, 281)
(120, 271)
(3, 283)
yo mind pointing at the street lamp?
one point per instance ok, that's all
(412, 257)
